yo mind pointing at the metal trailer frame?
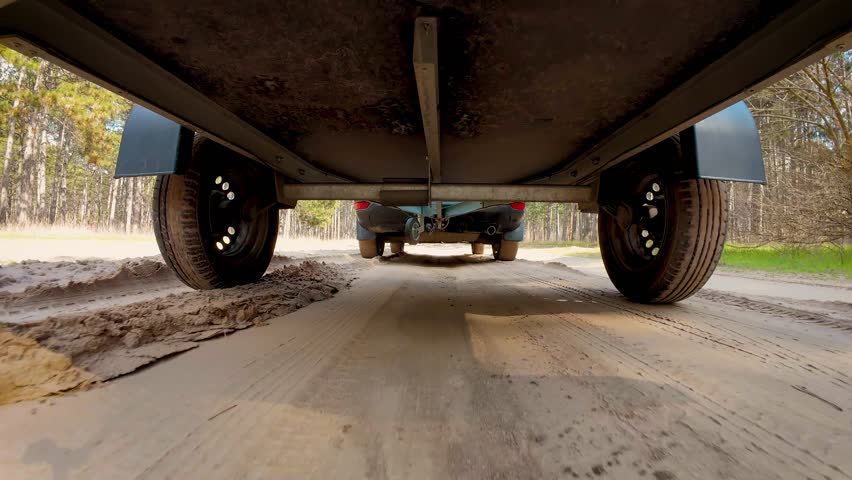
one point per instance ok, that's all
(803, 33)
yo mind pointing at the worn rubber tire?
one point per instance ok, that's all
(698, 220)
(505, 250)
(371, 248)
(477, 248)
(180, 220)
(397, 247)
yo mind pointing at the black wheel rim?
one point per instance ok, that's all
(642, 243)
(234, 216)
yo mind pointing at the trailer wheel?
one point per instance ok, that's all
(371, 248)
(505, 250)
(397, 247)
(477, 248)
(216, 224)
(668, 239)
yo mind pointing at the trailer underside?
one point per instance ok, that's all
(529, 91)
(523, 85)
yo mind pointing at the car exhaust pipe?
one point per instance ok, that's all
(491, 230)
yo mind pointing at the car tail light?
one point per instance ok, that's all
(361, 205)
(518, 205)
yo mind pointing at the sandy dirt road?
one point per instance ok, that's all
(461, 367)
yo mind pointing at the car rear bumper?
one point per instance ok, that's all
(485, 224)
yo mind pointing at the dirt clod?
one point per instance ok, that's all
(664, 475)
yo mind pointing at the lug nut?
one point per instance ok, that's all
(652, 212)
(645, 233)
(220, 246)
(649, 243)
(218, 180)
(655, 187)
(231, 195)
(655, 251)
(232, 230)
(226, 186)
(226, 239)
(649, 196)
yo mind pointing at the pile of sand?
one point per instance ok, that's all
(28, 370)
(66, 352)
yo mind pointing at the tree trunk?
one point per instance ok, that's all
(7, 154)
(99, 189)
(137, 212)
(58, 173)
(26, 182)
(41, 174)
(128, 205)
(287, 220)
(140, 203)
(84, 202)
(62, 201)
(113, 196)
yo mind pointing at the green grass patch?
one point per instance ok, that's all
(818, 260)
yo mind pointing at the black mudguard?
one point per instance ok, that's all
(725, 146)
(152, 145)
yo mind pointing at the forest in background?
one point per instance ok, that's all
(61, 134)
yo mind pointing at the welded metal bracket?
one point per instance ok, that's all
(591, 206)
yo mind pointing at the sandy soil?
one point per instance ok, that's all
(434, 364)
(68, 325)
(57, 247)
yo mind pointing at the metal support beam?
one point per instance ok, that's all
(53, 31)
(440, 192)
(511, 193)
(425, 57)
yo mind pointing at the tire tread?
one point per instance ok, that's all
(700, 238)
(179, 237)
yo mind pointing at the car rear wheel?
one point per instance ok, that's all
(668, 239)
(215, 224)
(397, 247)
(371, 248)
(477, 248)
(505, 250)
